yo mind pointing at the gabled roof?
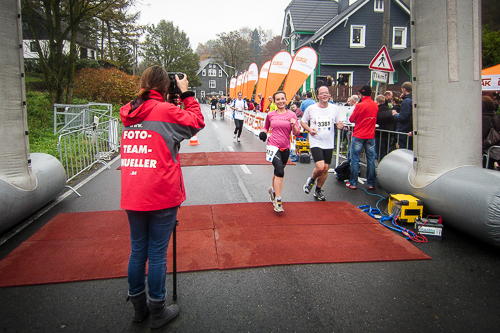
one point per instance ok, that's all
(202, 64)
(403, 55)
(337, 20)
(310, 15)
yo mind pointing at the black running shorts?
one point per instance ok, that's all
(320, 154)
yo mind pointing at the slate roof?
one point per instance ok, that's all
(202, 64)
(403, 55)
(310, 15)
(334, 22)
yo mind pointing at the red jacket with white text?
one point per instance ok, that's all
(151, 175)
(365, 118)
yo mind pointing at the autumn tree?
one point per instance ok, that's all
(167, 46)
(206, 50)
(491, 32)
(255, 46)
(234, 50)
(271, 48)
(56, 22)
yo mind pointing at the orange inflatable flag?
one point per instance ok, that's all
(232, 86)
(280, 66)
(238, 84)
(261, 85)
(304, 63)
(253, 76)
(244, 84)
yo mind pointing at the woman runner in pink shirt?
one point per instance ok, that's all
(280, 123)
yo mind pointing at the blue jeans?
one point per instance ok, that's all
(356, 146)
(149, 236)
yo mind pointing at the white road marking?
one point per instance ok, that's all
(215, 125)
(246, 169)
(230, 148)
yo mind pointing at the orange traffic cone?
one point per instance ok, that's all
(193, 141)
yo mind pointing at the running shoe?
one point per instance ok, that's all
(319, 195)
(278, 207)
(234, 136)
(238, 139)
(308, 185)
(272, 194)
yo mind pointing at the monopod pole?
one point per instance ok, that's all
(174, 276)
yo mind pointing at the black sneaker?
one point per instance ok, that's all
(319, 195)
(308, 185)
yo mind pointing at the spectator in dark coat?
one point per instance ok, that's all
(404, 118)
(490, 120)
(385, 122)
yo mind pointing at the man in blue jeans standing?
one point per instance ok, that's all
(364, 117)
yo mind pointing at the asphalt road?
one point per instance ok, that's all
(456, 291)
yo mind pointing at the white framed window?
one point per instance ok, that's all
(399, 37)
(221, 93)
(347, 76)
(378, 5)
(220, 72)
(204, 72)
(212, 84)
(358, 35)
(33, 46)
(212, 72)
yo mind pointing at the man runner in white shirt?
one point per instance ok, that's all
(239, 106)
(318, 120)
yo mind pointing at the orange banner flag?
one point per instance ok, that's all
(232, 86)
(261, 84)
(238, 84)
(244, 84)
(252, 77)
(280, 66)
(304, 63)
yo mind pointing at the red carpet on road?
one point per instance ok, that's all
(96, 245)
(223, 158)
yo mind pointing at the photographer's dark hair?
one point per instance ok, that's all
(154, 78)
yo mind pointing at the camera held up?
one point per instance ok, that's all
(173, 89)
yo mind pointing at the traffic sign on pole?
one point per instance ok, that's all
(382, 61)
(380, 76)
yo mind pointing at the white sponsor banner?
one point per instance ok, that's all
(305, 60)
(281, 63)
(253, 72)
(264, 71)
(491, 82)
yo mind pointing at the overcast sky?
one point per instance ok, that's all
(203, 20)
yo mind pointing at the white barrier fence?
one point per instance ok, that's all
(70, 117)
(81, 149)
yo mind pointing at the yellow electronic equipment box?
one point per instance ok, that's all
(408, 206)
(302, 142)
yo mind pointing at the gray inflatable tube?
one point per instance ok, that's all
(467, 198)
(17, 204)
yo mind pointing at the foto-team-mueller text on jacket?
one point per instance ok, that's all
(153, 129)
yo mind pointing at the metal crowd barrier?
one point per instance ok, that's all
(82, 148)
(69, 117)
(343, 143)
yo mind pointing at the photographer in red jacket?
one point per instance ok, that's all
(152, 185)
